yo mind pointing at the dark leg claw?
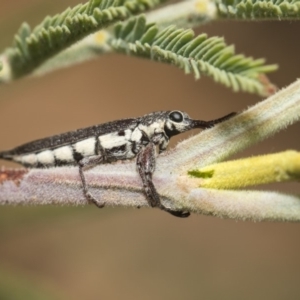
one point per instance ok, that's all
(175, 213)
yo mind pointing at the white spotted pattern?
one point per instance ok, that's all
(136, 135)
(46, 157)
(29, 159)
(128, 133)
(86, 147)
(112, 140)
(64, 154)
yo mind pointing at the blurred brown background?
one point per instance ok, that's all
(85, 253)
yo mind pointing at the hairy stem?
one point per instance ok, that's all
(119, 185)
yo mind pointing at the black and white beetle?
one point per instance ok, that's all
(112, 141)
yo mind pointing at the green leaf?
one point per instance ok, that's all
(263, 9)
(32, 47)
(198, 55)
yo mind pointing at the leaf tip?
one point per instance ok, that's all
(268, 87)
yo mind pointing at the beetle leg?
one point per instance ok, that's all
(146, 167)
(88, 162)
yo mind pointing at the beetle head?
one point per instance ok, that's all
(178, 122)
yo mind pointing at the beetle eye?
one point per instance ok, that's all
(176, 116)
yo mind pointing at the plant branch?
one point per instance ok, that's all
(117, 185)
(193, 13)
(120, 185)
(185, 14)
(45, 48)
(32, 47)
(199, 55)
(88, 48)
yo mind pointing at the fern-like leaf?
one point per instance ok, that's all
(198, 55)
(32, 47)
(256, 9)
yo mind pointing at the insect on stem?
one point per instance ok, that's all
(105, 143)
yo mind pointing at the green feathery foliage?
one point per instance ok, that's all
(200, 55)
(54, 34)
(254, 9)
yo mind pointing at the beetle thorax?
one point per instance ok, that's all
(152, 129)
